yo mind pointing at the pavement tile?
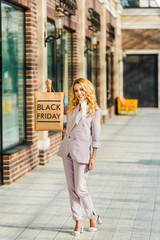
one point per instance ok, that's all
(140, 236)
(125, 188)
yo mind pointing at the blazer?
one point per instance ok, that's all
(80, 137)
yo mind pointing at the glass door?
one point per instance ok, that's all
(140, 79)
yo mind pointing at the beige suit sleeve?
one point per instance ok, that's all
(96, 128)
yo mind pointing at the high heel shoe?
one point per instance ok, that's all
(76, 233)
(92, 229)
(99, 220)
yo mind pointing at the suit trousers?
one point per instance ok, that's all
(76, 177)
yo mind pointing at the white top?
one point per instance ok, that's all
(82, 113)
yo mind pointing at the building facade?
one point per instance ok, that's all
(108, 42)
(140, 27)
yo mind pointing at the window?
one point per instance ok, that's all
(13, 75)
(141, 79)
(140, 3)
(51, 56)
(91, 64)
(60, 61)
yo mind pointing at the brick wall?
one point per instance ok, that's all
(96, 5)
(31, 69)
(23, 3)
(18, 164)
(140, 38)
(55, 141)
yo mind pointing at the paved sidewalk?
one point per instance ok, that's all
(125, 188)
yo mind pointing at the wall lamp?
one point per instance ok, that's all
(124, 55)
(59, 20)
(110, 51)
(93, 43)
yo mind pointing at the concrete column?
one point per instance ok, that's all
(118, 52)
(102, 98)
(81, 20)
(43, 142)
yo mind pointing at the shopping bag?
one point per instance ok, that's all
(49, 111)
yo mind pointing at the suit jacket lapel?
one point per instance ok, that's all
(73, 117)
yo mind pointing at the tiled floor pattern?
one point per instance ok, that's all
(125, 188)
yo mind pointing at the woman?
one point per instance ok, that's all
(83, 125)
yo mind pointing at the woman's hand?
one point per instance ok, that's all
(91, 164)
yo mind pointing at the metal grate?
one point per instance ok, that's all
(68, 7)
(94, 18)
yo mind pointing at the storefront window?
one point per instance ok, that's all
(91, 64)
(13, 75)
(60, 61)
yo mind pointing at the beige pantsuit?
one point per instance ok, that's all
(75, 151)
(76, 176)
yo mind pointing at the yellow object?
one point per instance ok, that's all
(6, 106)
(127, 105)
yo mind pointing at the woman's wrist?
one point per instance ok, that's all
(93, 158)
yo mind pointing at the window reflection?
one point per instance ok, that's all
(13, 75)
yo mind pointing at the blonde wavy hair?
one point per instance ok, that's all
(90, 96)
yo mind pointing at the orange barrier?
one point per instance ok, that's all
(126, 105)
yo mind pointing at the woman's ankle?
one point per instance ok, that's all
(94, 218)
(93, 221)
(79, 223)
